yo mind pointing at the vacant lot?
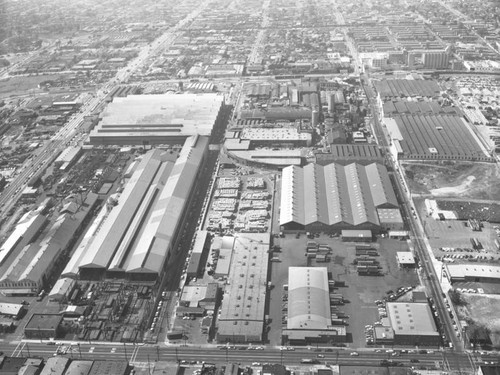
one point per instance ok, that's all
(453, 179)
(360, 291)
(483, 310)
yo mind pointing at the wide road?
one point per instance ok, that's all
(143, 353)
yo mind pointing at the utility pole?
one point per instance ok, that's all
(28, 348)
(125, 352)
(157, 353)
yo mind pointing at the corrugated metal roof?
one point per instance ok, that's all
(448, 134)
(152, 247)
(148, 207)
(380, 186)
(309, 173)
(34, 260)
(26, 228)
(71, 269)
(62, 287)
(291, 190)
(114, 228)
(334, 194)
(308, 299)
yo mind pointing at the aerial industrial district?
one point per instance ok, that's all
(249, 187)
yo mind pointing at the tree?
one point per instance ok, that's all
(478, 334)
(456, 298)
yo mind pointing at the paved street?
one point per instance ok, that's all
(136, 353)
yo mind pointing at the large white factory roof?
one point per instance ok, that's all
(150, 116)
(308, 298)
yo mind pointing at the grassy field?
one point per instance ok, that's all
(453, 179)
(483, 310)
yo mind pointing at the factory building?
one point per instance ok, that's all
(198, 254)
(62, 289)
(241, 318)
(309, 318)
(28, 271)
(68, 157)
(269, 137)
(403, 89)
(413, 324)
(479, 273)
(334, 197)
(350, 153)
(434, 137)
(157, 119)
(137, 236)
(27, 229)
(43, 326)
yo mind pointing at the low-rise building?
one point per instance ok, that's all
(55, 366)
(405, 259)
(13, 310)
(43, 326)
(481, 273)
(413, 324)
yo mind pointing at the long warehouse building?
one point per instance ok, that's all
(30, 269)
(335, 197)
(434, 137)
(136, 239)
(309, 316)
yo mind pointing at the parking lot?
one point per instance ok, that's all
(360, 292)
(454, 237)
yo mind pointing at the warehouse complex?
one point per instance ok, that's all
(157, 119)
(335, 197)
(136, 238)
(420, 128)
(309, 317)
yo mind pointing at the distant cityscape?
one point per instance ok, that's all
(210, 187)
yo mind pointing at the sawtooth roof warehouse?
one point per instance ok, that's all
(335, 197)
